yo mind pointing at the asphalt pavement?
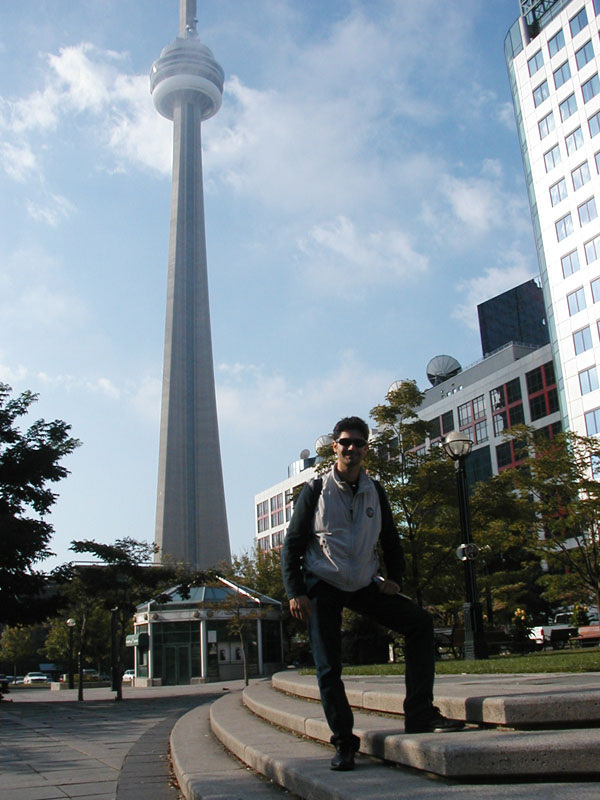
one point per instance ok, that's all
(52, 746)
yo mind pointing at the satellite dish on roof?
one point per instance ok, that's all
(304, 454)
(323, 441)
(440, 368)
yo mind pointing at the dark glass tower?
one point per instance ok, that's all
(517, 315)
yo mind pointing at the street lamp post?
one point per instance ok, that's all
(458, 446)
(71, 624)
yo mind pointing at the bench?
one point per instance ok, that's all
(452, 641)
(561, 637)
(588, 635)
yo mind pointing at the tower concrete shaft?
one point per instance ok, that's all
(191, 520)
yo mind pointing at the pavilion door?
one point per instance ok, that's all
(178, 664)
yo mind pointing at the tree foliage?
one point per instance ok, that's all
(29, 463)
(560, 509)
(122, 578)
(421, 489)
(18, 644)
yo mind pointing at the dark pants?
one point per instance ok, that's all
(392, 611)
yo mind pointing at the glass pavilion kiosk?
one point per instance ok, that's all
(189, 639)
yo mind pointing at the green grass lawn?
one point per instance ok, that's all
(571, 660)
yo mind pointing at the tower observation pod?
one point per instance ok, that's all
(191, 520)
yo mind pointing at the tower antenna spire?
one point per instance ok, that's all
(187, 18)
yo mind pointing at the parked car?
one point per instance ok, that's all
(90, 674)
(35, 677)
(128, 675)
(4, 681)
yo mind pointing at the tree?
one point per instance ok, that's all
(421, 489)
(262, 573)
(17, 644)
(29, 462)
(509, 565)
(560, 476)
(123, 578)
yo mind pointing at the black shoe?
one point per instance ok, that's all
(432, 721)
(343, 760)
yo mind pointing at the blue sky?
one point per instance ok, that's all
(363, 192)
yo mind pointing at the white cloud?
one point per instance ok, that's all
(254, 403)
(53, 212)
(337, 256)
(35, 296)
(17, 161)
(505, 114)
(145, 398)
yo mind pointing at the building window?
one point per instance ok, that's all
(541, 388)
(570, 263)
(581, 175)
(503, 454)
(564, 227)
(584, 54)
(536, 62)
(508, 398)
(597, 160)
(592, 422)
(464, 414)
(481, 432)
(595, 284)
(574, 141)
(447, 422)
(556, 43)
(590, 88)
(558, 192)
(588, 380)
(479, 407)
(576, 301)
(552, 158)
(567, 108)
(500, 423)
(541, 92)
(562, 74)
(592, 249)
(534, 380)
(587, 211)
(578, 22)
(513, 391)
(277, 510)
(262, 516)
(546, 125)
(594, 124)
(582, 340)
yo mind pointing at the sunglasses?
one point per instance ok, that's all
(355, 442)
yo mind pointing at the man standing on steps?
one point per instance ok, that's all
(330, 562)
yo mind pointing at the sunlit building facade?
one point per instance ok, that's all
(553, 57)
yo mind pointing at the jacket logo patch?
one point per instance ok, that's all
(370, 512)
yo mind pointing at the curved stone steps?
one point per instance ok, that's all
(472, 753)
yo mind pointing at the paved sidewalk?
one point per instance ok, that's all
(52, 746)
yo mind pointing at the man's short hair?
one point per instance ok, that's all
(351, 424)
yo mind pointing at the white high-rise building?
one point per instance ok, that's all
(553, 57)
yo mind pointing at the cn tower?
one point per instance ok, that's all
(191, 520)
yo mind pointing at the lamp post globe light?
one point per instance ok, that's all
(458, 446)
(71, 624)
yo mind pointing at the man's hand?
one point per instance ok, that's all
(300, 607)
(388, 587)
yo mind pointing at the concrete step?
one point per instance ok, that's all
(472, 753)
(205, 770)
(302, 765)
(519, 701)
